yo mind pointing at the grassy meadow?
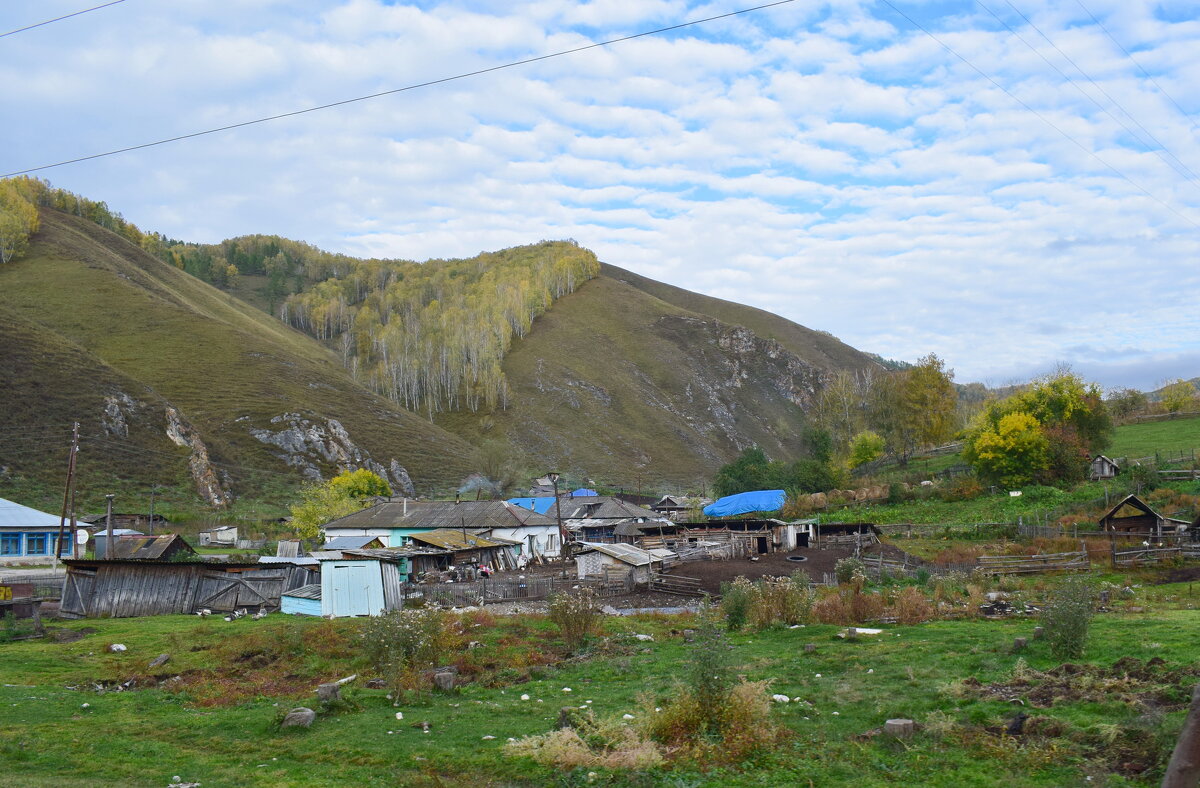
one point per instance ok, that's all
(218, 723)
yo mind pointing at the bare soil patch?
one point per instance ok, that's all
(1151, 683)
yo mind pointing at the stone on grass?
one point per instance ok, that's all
(159, 661)
(117, 648)
(444, 680)
(1020, 643)
(781, 699)
(329, 691)
(299, 718)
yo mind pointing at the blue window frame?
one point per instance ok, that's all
(35, 544)
(10, 544)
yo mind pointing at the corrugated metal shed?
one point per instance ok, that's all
(303, 601)
(626, 553)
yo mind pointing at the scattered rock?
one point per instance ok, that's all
(1019, 644)
(299, 718)
(329, 691)
(810, 648)
(1038, 632)
(159, 661)
(609, 610)
(444, 680)
(376, 684)
(644, 637)
(488, 738)
(399, 715)
(689, 635)
(781, 699)
(117, 648)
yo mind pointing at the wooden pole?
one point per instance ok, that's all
(1184, 769)
(68, 491)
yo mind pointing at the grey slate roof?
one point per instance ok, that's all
(443, 514)
(604, 507)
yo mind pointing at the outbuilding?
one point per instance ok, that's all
(619, 561)
(1104, 468)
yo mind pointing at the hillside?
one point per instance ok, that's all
(174, 381)
(634, 382)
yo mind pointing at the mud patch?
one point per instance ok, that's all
(1150, 684)
(69, 635)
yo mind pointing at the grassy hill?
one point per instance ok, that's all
(94, 323)
(633, 383)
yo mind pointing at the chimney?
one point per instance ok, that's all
(406, 505)
(457, 497)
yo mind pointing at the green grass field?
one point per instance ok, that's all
(56, 730)
(1143, 440)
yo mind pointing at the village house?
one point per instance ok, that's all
(596, 518)
(27, 535)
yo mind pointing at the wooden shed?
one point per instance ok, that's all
(1133, 515)
(125, 588)
(1103, 468)
(360, 587)
(302, 601)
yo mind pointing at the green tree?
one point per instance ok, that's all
(748, 472)
(344, 494)
(928, 401)
(1177, 395)
(1012, 453)
(1123, 403)
(865, 447)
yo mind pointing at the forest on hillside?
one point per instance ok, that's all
(430, 336)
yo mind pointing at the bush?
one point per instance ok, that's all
(735, 603)
(962, 488)
(912, 607)
(401, 643)
(1144, 478)
(850, 570)
(1068, 617)
(591, 743)
(780, 601)
(576, 615)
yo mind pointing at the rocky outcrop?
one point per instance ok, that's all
(309, 444)
(208, 485)
(766, 359)
(118, 410)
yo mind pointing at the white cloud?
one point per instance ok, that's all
(826, 161)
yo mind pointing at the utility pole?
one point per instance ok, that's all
(562, 535)
(68, 497)
(108, 534)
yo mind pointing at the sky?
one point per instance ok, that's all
(1009, 184)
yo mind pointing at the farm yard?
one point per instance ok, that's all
(77, 713)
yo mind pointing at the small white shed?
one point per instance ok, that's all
(600, 560)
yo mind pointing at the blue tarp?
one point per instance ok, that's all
(539, 505)
(584, 492)
(744, 503)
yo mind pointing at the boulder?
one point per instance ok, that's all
(445, 680)
(298, 718)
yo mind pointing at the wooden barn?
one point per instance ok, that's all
(124, 588)
(1134, 516)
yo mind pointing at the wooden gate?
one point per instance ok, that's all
(77, 592)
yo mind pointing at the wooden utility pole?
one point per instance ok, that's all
(108, 534)
(68, 497)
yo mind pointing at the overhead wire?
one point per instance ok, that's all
(1129, 55)
(393, 91)
(59, 18)
(1177, 165)
(1040, 116)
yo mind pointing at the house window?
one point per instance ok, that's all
(35, 544)
(10, 544)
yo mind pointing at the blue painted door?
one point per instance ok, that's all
(356, 590)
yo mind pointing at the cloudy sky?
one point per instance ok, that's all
(1007, 183)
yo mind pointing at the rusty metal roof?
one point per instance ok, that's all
(451, 539)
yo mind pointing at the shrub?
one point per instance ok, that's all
(591, 743)
(401, 643)
(735, 603)
(1068, 617)
(779, 601)
(962, 488)
(850, 570)
(576, 615)
(912, 607)
(1145, 477)
(710, 674)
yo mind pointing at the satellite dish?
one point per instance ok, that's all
(82, 536)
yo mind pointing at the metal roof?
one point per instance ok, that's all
(288, 559)
(14, 515)
(627, 553)
(605, 507)
(451, 539)
(348, 542)
(441, 514)
(310, 591)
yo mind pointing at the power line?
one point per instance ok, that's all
(404, 89)
(1178, 164)
(1039, 115)
(59, 18)
(1129, 55)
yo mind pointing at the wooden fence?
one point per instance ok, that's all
(1024, 564)
(46, 584)
(1145, 555)
(674, 584)
(531, 589)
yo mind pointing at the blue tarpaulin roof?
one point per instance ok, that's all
(744, 503)
(584, 492)
(539, 505)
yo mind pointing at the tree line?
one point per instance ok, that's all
(430, 336)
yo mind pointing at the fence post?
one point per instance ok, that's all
(1184, 769)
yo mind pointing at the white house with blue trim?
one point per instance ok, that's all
(27, 536)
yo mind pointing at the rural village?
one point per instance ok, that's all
(841, 429)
